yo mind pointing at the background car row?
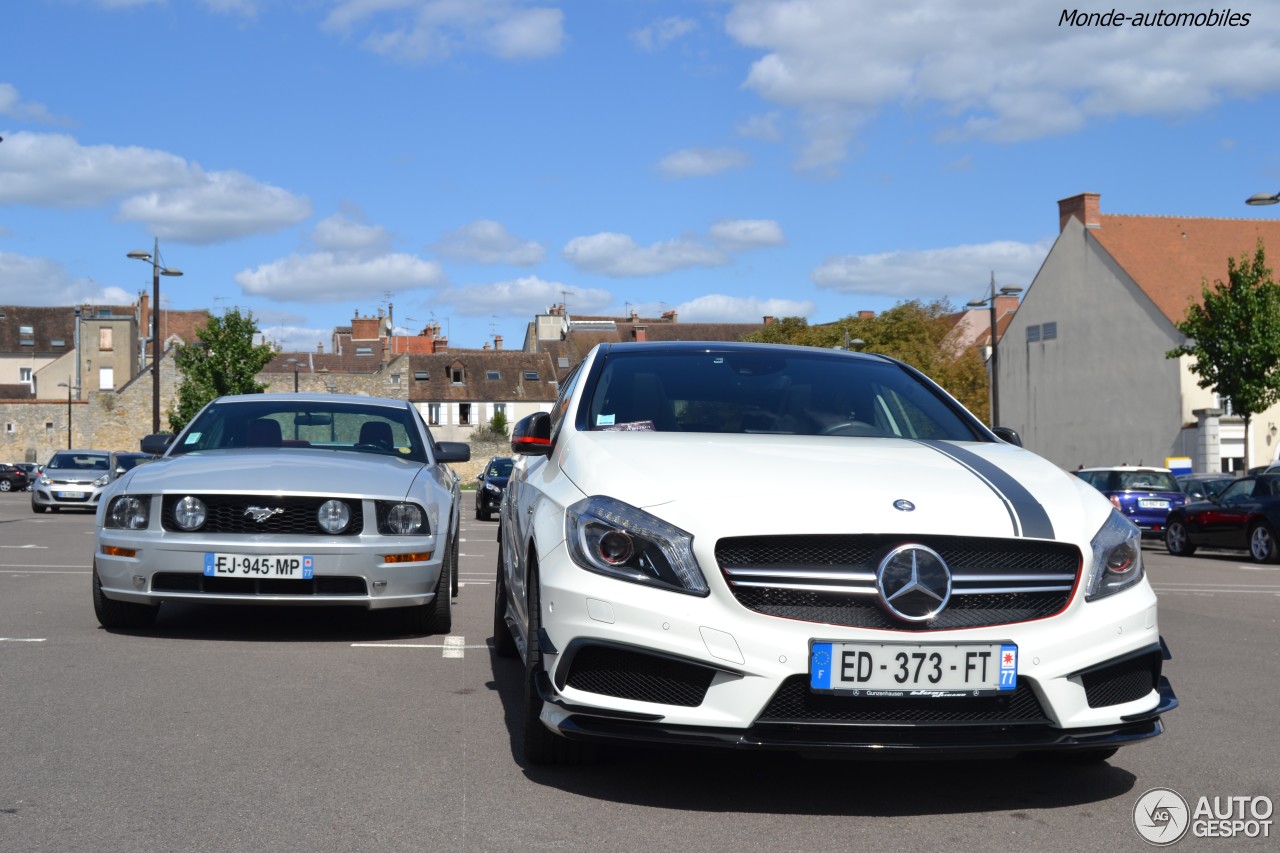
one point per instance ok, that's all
(74, 479)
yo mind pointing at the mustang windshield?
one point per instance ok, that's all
(285, 423)
(785, 393)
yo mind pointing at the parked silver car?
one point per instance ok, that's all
(297, 499)
(73, 479)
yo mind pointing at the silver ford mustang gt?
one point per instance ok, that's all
(296, 499)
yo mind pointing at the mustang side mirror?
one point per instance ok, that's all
(1008, 435)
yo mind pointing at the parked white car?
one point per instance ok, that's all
(295, 499)
(666, 575)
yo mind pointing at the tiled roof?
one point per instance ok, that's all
(1169, 257)
(48, 324)
(19, 391)
(325, 362)
(182, 324)
(509, 385)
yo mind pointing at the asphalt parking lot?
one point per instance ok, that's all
(272, 729)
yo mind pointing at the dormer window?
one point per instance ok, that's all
(364, 350)
(492, 375)
(531, 375)
(455, 374)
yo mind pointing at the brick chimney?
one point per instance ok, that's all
(497, 342)
(640, 334)
(320, 349)
(670, 316)
(365, 328)
(1084, 207)
(866, 315)
(768, 321)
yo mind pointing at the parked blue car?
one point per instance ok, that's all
(1144, 495)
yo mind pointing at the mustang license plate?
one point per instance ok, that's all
(287, 566)
(912, 669)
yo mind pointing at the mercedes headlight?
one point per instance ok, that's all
(615, 539)
(1117, 557)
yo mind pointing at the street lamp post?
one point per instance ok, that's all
(294, 362)
(157, 270)
(1259, 199)
(70, 387)
(990, 299)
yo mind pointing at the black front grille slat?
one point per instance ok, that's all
(227, 515)
(1122, 682)
(994, 581)
(796, 703)
(627, 674)
(194, 583)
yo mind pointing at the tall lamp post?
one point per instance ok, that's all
(990, 299)
(157, 270)
(1259, 199)
(70, 387)
(294, 362)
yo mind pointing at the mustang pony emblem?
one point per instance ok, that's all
(262, 513)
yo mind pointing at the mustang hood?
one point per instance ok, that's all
(819, 484)
(270, 471)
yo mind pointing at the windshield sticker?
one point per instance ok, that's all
(604, 420)
(192, 438)
(634, 426)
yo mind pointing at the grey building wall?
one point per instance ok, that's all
(1100, 392)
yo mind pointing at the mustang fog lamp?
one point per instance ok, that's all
(128, 512)
(190, 513)
(333, 516)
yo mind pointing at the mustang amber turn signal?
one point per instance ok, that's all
(420, 557)
(113, 551)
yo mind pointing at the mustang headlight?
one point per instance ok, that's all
(1117, 557)
(614, 539)
(190, 513)
(402, 518)
(128, 512)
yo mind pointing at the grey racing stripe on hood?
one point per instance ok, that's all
(1027, 514)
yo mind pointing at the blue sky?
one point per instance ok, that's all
(474, 161)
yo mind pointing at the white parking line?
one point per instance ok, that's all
(27, 567)
(21, 639)
(453, 646)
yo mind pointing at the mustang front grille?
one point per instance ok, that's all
(831, 578)
(228, 514)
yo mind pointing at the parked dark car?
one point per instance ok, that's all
(1201, 487)
(12, 478)
(31, 469)
(1245, 516)
(1144, 495)
(491, 483)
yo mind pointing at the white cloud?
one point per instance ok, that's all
(523, 297)
(1020, 75)
(427, 30)
(718, 308)
(735, 234)
(659, 34)
(618, 255)
(11, 104)
(487, 242)
(214, 207)
(327, 277)
(54, 170)
(699, 162)
(958, 273)
(339, 233)
(41, 281)
(763, 127)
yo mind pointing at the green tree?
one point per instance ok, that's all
(223, 361)
(1233, 338)
(916, 332)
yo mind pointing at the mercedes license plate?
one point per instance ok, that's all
(287, 566)
(912, 669)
